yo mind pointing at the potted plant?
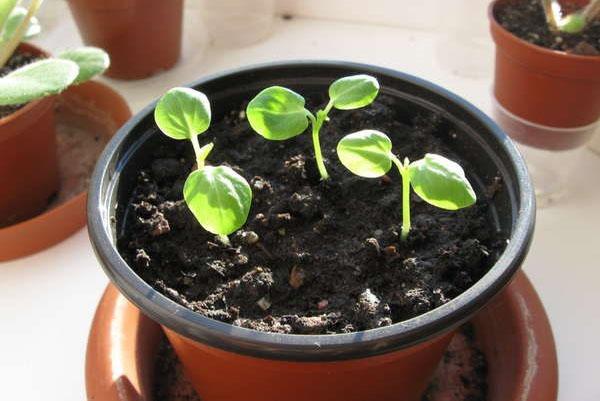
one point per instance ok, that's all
(142, 37)
(331, 289)
(28, 81)
(547, 80)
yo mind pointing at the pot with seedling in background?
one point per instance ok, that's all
(275, 268)
(547, 76)
(142, 37)
(29, 81)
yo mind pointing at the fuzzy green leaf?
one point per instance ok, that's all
(573, 23)
(353, 92)
(37, 80)
(366, 153)
(92, 61)
(6, 8)
(15, 19)
(219, 198)
(441, 182)
(182, 113)
(277, 113)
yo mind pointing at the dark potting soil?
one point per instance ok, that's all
(526, 19)
(314, 257)
(16, 61)
(461, 376)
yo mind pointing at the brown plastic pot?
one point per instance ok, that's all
(28, 163)
(226, 362)
(545, 87)
(58, 223)
(513, 332)
(143, 37)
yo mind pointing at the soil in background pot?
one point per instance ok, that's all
(314, 257)
(461, 376)
(17, 60)
(526, 20)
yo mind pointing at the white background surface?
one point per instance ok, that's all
(47, 300)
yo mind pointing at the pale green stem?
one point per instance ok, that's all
(317, 123)
(224, 239)
(592, 10)
(13, 42)
(403, 169)
(198, 152)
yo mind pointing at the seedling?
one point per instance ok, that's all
(278, 113)
(434, 178)
(218, 197)
(572, 23)
(44, 77)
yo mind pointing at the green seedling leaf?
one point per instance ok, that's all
(183, 113)
(15, 19)
(37, 80)
(441, 182)
(366, 153)
(277, 113)
(6, 8)
(92, 61)
(219, 198)
(353, 92)
(572, 24)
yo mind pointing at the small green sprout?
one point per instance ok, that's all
(218, 197)
(44, 77)
(434, 178)
(278, 113)
(572, 23)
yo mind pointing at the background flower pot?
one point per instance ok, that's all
(545, 87)
(88, 101)
(143, 37)
(28, 163)
(225, 362)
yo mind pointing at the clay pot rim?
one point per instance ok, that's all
(42, 103)
(315, 347)
(58, 213)
(509, 36)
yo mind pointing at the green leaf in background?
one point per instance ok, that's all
(37, 80)
(573, 23)
(92, 61)
(366, 153)
(6, 7)
(219, 198)
(15, 19)
(277, 113)
(441, 182)
(183, 113)
(353, 92)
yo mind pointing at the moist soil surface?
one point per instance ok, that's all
(314, 257)
(461, 376)
(16, 61)
(526, 19)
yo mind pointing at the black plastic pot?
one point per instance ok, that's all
(406, 352)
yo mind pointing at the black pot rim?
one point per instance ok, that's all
(312, 347)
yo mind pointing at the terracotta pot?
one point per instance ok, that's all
(545, 87)
(513, 332)
(60, 222)
(28, 163)
(143, 37)
(225, 362)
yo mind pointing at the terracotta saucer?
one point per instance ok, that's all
(513, 333)
(90, 112)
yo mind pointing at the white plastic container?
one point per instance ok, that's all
(235, 23)
(552, 154)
